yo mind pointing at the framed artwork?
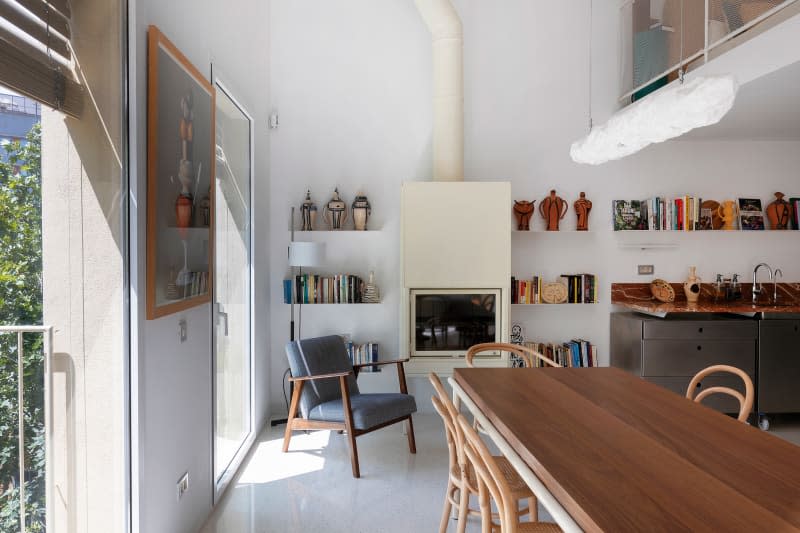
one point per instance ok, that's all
(750, 215)
(180, 178)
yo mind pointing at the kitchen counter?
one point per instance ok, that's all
(637, 297)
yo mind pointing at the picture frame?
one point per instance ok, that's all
(180, 177)
(751, 216)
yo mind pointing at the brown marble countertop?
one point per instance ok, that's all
(637, 297)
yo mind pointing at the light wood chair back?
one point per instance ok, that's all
(449, 429)
(490, 478)
(449, 409)
(745, 402)
(523, 352)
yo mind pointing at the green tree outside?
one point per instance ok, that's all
(21, 304)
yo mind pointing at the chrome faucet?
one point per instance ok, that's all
(775, 285)
(757, 289)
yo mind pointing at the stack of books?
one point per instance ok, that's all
(315, 289)
(363, 353)
(575, 353)
(661, 214)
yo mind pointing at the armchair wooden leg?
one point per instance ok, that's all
(287, 436)
(348, 421)
(412, 445)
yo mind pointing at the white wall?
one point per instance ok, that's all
(352, 83)
(171, 382)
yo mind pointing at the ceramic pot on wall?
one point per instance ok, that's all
(778, 212)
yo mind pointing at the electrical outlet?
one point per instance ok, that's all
(183, 485)
(182, 330)
(646, 270)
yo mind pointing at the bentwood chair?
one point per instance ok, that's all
(745, 402)
(492, 482)
(327, 395)
(528, 355)
(462, 481)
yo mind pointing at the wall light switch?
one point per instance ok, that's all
(646, 270)
(182, 330)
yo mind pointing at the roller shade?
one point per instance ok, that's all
(36, 59)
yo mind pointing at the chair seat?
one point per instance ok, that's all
(519, 489)
(369, 410)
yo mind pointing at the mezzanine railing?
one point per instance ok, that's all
(47, 333)
(662, 37)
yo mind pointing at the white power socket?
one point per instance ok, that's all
(183, 485)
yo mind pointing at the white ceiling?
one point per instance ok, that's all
(767, 108)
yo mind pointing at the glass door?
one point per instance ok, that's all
(232, 304)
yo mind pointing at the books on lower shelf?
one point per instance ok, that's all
(316, 289)
(363, 353)
(576, 353)
(581, 289)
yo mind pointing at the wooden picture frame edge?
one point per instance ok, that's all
(156, 38)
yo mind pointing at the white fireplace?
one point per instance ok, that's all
(455, 249)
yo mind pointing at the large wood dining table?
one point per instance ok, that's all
(607, 451)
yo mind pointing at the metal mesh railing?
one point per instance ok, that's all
(661, 37)
(24, 475)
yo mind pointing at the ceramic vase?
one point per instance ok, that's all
(183, 211)
(582, 208)
(361, 212)
(691, 287)
(335, 212)
(553, 208)
(778, 212)
(727, 213)
(523, 210)
(371, 294)
(308, 212)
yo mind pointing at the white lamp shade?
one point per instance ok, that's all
(304, 254)
(667, 113)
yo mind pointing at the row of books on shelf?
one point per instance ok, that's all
(363, 353)
(580, 289)
(675, 214)
(575, 353)
(316, 289)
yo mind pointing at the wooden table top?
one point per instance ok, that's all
(622, 454)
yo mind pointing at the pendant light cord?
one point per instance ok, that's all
(591, 10)
(683, 31)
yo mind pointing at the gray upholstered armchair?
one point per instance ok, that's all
(326, 392)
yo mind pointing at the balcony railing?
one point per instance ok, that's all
(47, 346)
(662, 37)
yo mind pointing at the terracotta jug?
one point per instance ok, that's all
(691, 286)
(523, 209)
(183, 211)
(778, 212)
(582, 208)
(727, 213)
(553, 208)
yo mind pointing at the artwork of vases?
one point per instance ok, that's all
(778, 212)
(523, 210)
(335, 212)
(184, 204)
(553, 208)
(691, 287)
(308, 212)
(361, 212)
(582, 208)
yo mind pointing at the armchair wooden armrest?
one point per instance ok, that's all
(401, 373)
(378, 363)
(321, 376)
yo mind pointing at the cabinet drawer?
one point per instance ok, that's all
(701, 329)
(720, 402)
(687, 358)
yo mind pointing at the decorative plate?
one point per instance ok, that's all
(554, 293)
(662, 291)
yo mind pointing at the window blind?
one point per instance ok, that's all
(36, 59)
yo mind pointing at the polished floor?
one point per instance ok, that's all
(311, 489)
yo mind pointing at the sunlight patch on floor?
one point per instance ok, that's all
(304, 456)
